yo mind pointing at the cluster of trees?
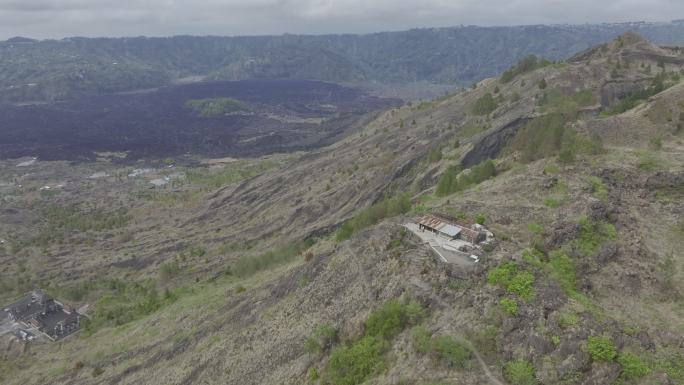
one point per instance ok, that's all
(214, 107)
(452, 182)
(658, 85)
(485, 105)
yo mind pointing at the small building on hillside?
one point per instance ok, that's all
(452, 228)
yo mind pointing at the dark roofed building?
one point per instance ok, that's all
(40, 311)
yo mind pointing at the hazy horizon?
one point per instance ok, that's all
(55, 19)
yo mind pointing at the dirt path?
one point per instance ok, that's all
(472, 347)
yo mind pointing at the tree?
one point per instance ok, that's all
(542, 84)
(484, 105)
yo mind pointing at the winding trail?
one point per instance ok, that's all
(472, 347)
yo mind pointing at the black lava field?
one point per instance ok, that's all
(286, 115)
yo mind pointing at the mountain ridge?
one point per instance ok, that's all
(59, 69)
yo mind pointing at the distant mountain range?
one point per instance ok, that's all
(59, 69)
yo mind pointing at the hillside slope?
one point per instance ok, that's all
(583, 286)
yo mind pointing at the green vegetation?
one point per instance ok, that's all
(322, 339)
(567, 319)
(635, 98)
(556, 100)
(126, 302)
(484, 105)
(420, 337)
(435, 154)
(670, 361)
(451, 351)
(550, 135)
(354, 364)
(509, 276)
(229, 174)
(592, 236)
(559, 195)
(390, 207)
(392, 318)
(249, 265)
(665, 275)
(632, 366)
(563, 270)
(169, 270)
(451, 182)
(601, 349)
(525, 65)
(598, 188)
(509, 306)
(214, 107)
(313, 374)
(61, 223)
(520, 373)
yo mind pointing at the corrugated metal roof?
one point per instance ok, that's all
(449, 226)
(450, 230)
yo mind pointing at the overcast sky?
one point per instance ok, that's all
(61, 18)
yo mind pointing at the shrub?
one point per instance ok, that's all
(542, 84)
(484, 105)
(322, 338)
(353, 365)
(453, 352)
(390, 207)
(392, 318)
(513, 280)
(509, 306)
(592, 236)
(602, 349)
(313, 374)
(598, 188)
(567, 319)
(169, 270)
(520, 373)
(97, 372)
(435, 154)
(632, 366)
(563, 270)
(420, 337)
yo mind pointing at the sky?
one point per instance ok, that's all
(63, 18)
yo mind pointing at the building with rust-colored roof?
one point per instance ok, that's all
(451, 228)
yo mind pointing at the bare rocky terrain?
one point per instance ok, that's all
(226, 272)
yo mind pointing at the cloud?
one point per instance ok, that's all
(60, 18)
